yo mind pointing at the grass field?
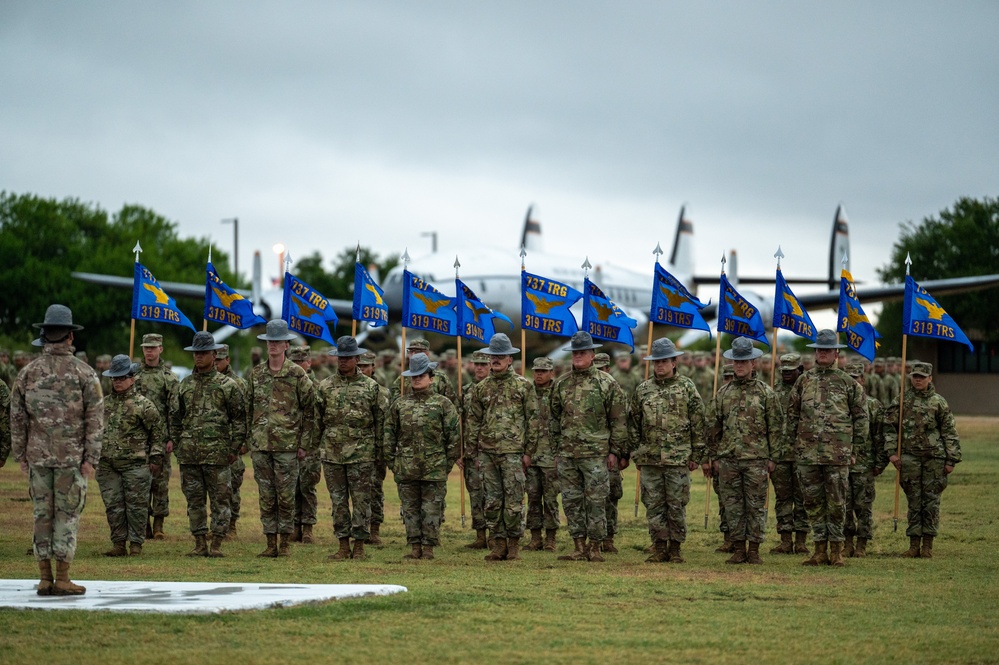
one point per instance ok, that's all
(459, 608)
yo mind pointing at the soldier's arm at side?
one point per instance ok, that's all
(4, 424)
(531, 415)
(948, 436)
(93, 423)
(696, 417)
(452, 433)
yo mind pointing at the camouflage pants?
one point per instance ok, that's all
(923, 481)
(542, 497)
(124, 486)
(237, 470)
(665, 494)
(350, 484)
(722, 523)
(473, 483)
(159, 490)
(202, 483)
(57, 498)
(422, 506)
(277, 476)
(585, 485)
(614, 495)
(789, 502)
(860, 505)
(743, 487)
(378, 494)
(825, 487)
(310, 470)
(503, 493)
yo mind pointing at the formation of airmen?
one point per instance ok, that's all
(821, 436)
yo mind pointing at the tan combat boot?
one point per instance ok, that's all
(216, 549)
(660, 552)
(578, 554)
(800, 542)
(63, 585)
(200, 546)
(117, 549)
(836, 555)
(45, 577)
(490, 541)
(512, 549)
(727, 547)
(428, 553)
(927, 551)
(480, 542)
(307, 538)
(608, 545)
(232, 533)
(913, 551)
(550, 540)
(860, 551)
(819, 558)
(374, 539)
(674, 552)
(157, 529)
(284, 544)
(593, 554)
(358, 551)
(343, 553)
(536, 543)
(416, 553)
(753, 556)
(738, 552)
(271, 550)
(847, 549)
(499, 550)
(297, 536)
(135, 549)
(786, 546)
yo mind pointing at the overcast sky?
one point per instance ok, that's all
(323, 124)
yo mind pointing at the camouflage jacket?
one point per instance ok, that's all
(4, 421)
(502, 415)
(207, 419)
(870, 455)
(544, 456)
(928, 428)
(421, 436)
(627, 380)
(241, 382)
(826, 417)
(283, 406)
(666, 422)
(466, 392)
(588, 415)
(744, 422)
(158, 384)
(350, 419)
(783, 392)
(388, 377)
(704, 381)
(133, 427)
(57, 411)
(438, 384)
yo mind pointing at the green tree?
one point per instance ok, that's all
(963, 241)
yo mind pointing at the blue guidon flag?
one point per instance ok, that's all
(860, 333)
(738, 316)
(674, 305)
(426, 308)
(151, 303)
(923, 317)
(605, 320)
(307, 311)
(476, 320)
(223, 305)
(369, 299)
(545, 303)
(788, 312)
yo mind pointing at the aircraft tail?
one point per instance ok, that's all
(839, 246)
(732, 269)
(530, 238)
(681, 259)
(257, 288)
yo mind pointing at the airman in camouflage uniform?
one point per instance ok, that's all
(237, 470)
(422, 441)
(366, 366)
(744, 430)
(703, 375)
(133, 448)
(869, 461)
(256, 356)
(590, 433)
(283, 401)
(616, 484)
(789, 502)
(157, 383)
(208, 419)
(469, 469)
(931, 449)
(4, 423)
(7, 372)
(310, 467)
(826, 420)
(350, 423)
(439, 382)
(542, 476)
(502, 437)
(387, 375)
(666, 427)
(57, 421)
(626, 376)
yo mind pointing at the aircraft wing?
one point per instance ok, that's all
(172, 288)
(895, 292)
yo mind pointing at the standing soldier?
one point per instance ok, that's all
(157, 383)
(131, 452)
(615, 491)
(256, 355)
(237, 470)
(350, 422)
(744, 437)
(667, 433)
(57, 420)
(869, 461)
(702, 375)
(4, 423)
(310, 467)
(208, 415)
(421, 445)
(283, 403)
(473, 477)
(930, 451)
(101, 365)
(366, 366)
(542, 476)
(502, 438)
(439, 382)
(789, 502)
(826, 420)
(626, 376)
(590, 434)
(387, 375)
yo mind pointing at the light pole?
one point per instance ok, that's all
(235, 244)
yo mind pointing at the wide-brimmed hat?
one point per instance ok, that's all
(790, 362)
(826, 339)
(58, 316)
(921, 369)
(203, 341)
(662, 349)
(419, 364)
(499, 345)
(277, 331)
(581, 341)
(121, 365)
(742, 349)
(346, 347)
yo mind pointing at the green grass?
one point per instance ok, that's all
(461, 609)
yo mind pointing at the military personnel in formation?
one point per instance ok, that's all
(666, 427)
(502, 438)
(132, 450)
(626, 376)
(350, 424)
(703, 375)
(892, 381)
(870, 460)
(366, 366)
(101, 364)
(744, 431)
(57, 422)
(283, 401)
(157, 383)
(439, 381)
(602, 362)
(310, 467)
(930, 449)
(4, 423)
(874, 379)
(789, 502)
(469, 468)
(542, 476)
(7, 373)
(320, 365)
(256, 356)
(826, 420)
(421, 444)
(615, 492)
(387, 374)
(590, 434)
(208, 420)
(237, 470)
(808, 361)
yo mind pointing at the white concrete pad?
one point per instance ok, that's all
(184, 597)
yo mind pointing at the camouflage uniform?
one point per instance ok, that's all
(471, 473)
(4, 423)
(57, 422)
(789, 502)
(158, 384)
(310, 467)
(439, 384)
(542, 477)
(627, 379)
(133, 439)
(237, 470)
(870, 461)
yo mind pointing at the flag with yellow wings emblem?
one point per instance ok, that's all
(545, 303)
(307, 311)
(224, 305)
(674, 305)
(369, 299)
(788, 312)
(151, 303)
(476, 320)
(923, 317)
(605, 320)
(426, 308)
(737, 315)
(860, 333)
